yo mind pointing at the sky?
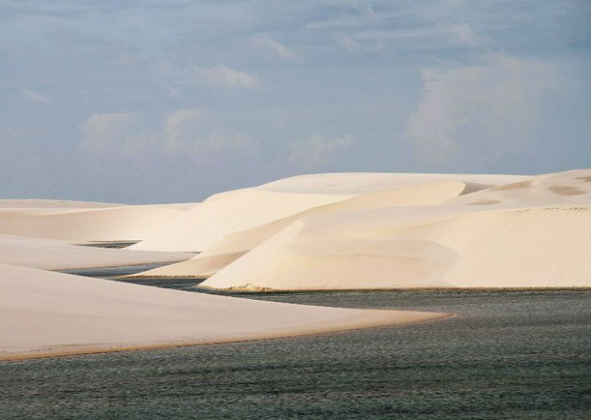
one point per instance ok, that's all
(174, 100)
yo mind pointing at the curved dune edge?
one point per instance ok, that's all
(368, 320)
(235, 245)
(249, 288)
(233, 211)
(533, 237)
(48, 254)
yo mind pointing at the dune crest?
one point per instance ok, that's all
(366, 191)
(235, 245)
(84, 224)
(523, 236)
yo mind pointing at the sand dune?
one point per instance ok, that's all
(235, 245)
(529, 233)
(44, 313)
(89, 224)
(227, 213)
(230, 212)
(50, 254)
(47, 204)
(355, 183)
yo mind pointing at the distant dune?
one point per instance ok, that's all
(48, 254)
(86, 223)
(49, 204)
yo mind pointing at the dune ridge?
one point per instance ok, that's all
(235, 245)
(86, 224)
(519, 235)
(234, 211)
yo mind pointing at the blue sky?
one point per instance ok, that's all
(155, 101)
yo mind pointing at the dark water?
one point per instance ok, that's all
(508, 355)
(110, 244)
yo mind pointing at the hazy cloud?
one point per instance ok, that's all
(279, 49)
(462, 34)
(173, 77)
(226, 143)
(346, 41)
(35, 96)
(182, 132)
(222, 76)
(317, 149)
(178, 126)
(176, 89)
(105, 134)
(479, 111)
(430, 36)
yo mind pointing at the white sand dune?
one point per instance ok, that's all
(235, 245)
(50, 254)
(230, 212)
(530, 233)
(89, 224)
(223, 214)
(46, 314)
(48, 204)
(355, 183)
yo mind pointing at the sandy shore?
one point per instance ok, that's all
(49, 314)
(372, 319)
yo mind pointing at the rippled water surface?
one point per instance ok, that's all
(507, 355)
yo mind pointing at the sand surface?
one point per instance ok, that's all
(235, 245)
(89, 223)
(46, 314)
(48, 204)
(51, 254)
(233, 211)
(528, 233)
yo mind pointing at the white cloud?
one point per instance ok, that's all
(462, 34)
(181, 132)
(222, 76)
(178, 126)
(479, 111)
(318, 150)
(375, 40)
(174, 77)
(126, 58)
(35, 96)
(279, 49)
(107, 133)
(346, 41)
(225, 143)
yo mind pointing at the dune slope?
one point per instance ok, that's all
(50, 254)
(532, 233)
(235, 245)
(88, 224)
(44, 313)
(233, 211)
